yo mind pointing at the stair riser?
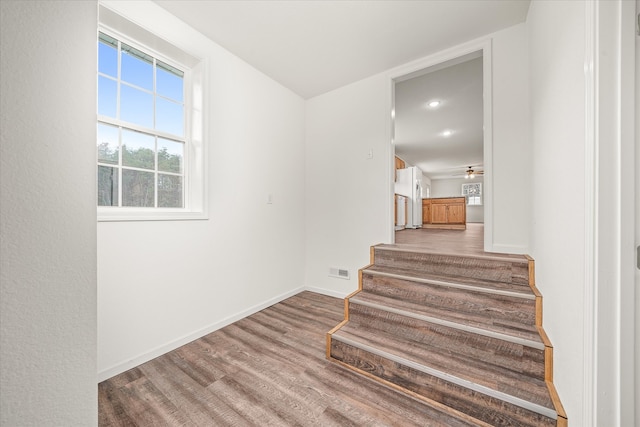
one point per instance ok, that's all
(447, 265)
(478, 405)
(499, 358)
(459, 304)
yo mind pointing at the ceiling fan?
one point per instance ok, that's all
(471, 173)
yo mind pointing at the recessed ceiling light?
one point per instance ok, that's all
(447, 133)
(434, 104)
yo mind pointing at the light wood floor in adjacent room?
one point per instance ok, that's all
(468, 242)
(268, 369)
(462, 242)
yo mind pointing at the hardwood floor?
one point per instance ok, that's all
(268, 369)
(461, 242)
(469, 241)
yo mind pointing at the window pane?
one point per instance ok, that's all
(137, 168)
(170, 155)
(107, 186)
(474, 200)
(137, 188)
(107, 96)
(138, 149)
(169, 117)
(169, 82)
(108, 146)
(136, 67)
(108, 55)
(169, 191)
(136, 106)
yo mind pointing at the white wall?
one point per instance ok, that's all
(556, 34)
(47, 214)
(511, 141)
(161, 284)
(453, 188)
(348, 197)
(426, 182)
(346, 205)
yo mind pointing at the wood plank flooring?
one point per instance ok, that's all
(268, 369)
(463, 242)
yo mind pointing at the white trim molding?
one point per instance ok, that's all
(415, 68)
(589, 354)
(159, 351)
(609, 312)
(127, 21)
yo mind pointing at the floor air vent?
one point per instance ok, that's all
(340, 273)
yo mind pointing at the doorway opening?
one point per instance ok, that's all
(441, 130)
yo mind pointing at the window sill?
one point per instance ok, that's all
(123, 214)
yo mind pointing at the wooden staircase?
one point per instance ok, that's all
(459, 332)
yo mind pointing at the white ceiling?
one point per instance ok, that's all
(419, 138)
(315, 46)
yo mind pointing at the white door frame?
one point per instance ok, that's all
(637, 219)
(609, 307)
(483, 45)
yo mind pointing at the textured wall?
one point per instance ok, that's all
(47, 222)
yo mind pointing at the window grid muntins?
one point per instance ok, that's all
(150, 154)
(473, 193)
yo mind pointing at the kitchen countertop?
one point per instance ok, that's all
(448, 197)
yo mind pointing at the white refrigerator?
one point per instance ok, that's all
(409, 184)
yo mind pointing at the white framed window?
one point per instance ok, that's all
(473, 193)
(150, 151)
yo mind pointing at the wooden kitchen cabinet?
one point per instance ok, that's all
(439, 213)
(447, 212)
(426, 211)
(456, 213)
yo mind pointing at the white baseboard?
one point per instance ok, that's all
(159, 351)
(327, 292)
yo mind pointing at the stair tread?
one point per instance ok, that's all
(480, 284)
(491, 267)
(499, 326)
(486, 255)
(450, 363)
(457, 328)
(492, 409)
(494, 352)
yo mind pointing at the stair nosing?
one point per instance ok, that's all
(505, 397)
(471, 329)
(488, 256)
(451, 284)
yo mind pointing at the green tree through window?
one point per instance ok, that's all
(141, 128)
